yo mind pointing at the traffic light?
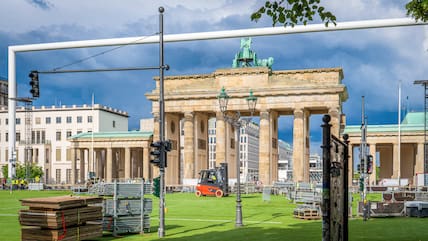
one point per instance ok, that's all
(34, 82)
(155, 153)
(369, 164)
(168, 145)
(156, 186)
(361, 184)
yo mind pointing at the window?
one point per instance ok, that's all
(58, 120)
(43, 137)
(18, 136)
(79, 119)
(47, 156)
(89, 119)
(58, 176)
(7, 121)
(68, 134)
(48, 120)
(37, 120)
(18, 121)
(36, 154)
(58, 154)
(114, 124)
(79, 131)
(58, 135)
(68, 155)
(68, 175)
(68, 119)
(7, 136)
(38, 137)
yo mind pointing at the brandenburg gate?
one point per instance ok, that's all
(193, 99)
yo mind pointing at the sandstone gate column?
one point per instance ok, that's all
(172, 133)
(274, 156)
(147, 174)
(335, 121)
(109, 165)
(189, 145)
(220, 139)
(201, 142)
(373, 153)
(82, 165)
(127, 163)
(395, 162)
(300, 159)
(73, 166)
(419, 165)
(265, 148)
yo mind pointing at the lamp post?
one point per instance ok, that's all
(236, 121)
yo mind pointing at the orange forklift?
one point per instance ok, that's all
(213, 182)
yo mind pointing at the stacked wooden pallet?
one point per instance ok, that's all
(61, 218)
(307, 212)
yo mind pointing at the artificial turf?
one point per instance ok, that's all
(189, 218)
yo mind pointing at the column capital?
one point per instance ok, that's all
(188, 116)
(264, 114)
(156, 116)
(298, 112)
(333, 111)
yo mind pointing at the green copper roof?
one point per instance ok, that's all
(414, 118)
(413, 121)
(119, 134)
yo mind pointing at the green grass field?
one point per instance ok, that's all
(189, 218)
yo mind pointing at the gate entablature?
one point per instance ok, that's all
(275, 89)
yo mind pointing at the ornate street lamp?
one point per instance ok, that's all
(237, 123)
(223, 98)
(252, 101)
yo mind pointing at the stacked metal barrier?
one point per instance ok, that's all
(125, 209)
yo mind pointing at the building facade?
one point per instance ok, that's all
(398, 154)
(248, 149)
(285, 161)
(44, 132)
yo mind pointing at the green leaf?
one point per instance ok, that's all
(281, 18)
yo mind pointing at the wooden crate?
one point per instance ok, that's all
(307, 213)
(55, 219)
(88, 231)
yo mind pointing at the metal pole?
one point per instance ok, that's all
(326, 162)
(238, 175)
(425, 137)
(399, 134)
(161, 231)
(364, 160)
(238, 33)
(345, 187)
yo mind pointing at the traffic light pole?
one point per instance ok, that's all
(364, 162)
(161, 230)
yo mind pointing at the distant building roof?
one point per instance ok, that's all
(115, 135)
(413, 121)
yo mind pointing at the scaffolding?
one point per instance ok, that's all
(28, 157)
(28, 134)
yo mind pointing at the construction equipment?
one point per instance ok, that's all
(213, 182)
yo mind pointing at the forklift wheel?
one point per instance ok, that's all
(219, 193)
(198, 193)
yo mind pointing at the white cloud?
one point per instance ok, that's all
(373, 60)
